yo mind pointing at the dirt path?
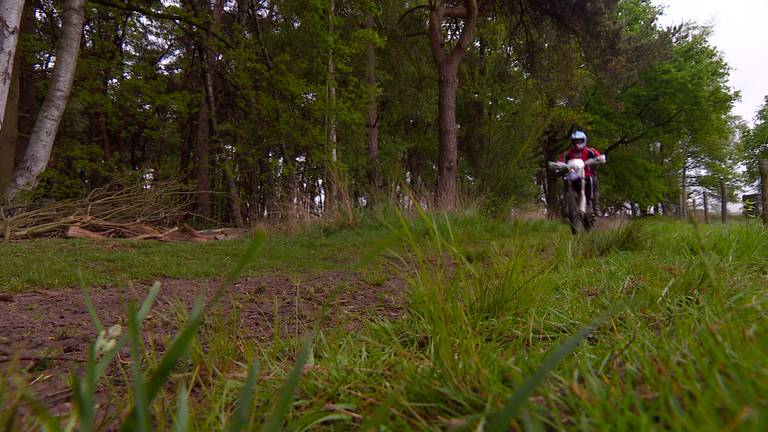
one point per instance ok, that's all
(49, 331)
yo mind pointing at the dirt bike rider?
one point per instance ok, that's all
(590, 156)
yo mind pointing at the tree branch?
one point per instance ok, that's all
(468, 32)
(410, 11)
(436, 35)
(131, 7)
(624, 140)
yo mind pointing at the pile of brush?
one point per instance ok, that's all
(139, 211)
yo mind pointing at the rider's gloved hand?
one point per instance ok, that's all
(556, 166)
(595, 161)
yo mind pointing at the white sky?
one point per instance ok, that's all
(741, 34)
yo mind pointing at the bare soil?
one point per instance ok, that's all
(45, 334)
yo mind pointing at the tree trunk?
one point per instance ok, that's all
(187, 149)
(447, 165)
(332, 177)
(763, 165)
(233, 193)
(705, 203)
(102, 138)
(9, 131)
(10, 18)
(723, 202)
(448, 82)
(414, 163)
(208, 63)
(684, 193)
(693, 207)
(550, 150)
(202, 164)
(374, 170)
(27, 85)
(551, 196)
(122, 157)
(266, 185)
(27, 96)
(48, 119)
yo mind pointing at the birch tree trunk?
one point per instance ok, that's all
(10, 18)
(47, 123)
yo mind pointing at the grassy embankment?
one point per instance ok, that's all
(684, 346)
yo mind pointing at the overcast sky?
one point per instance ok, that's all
(741, 34)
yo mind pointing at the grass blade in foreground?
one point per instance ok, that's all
(89, 305)
(139, 385)
(110, 355)
(184, 338)
(84, 389)
(148, 301)
(499, 421)
(286, 394)
(240, 417)
(182, 413)
(379, 416)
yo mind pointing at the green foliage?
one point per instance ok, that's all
(754, 142)
(673, 118)
(78, 169)
(533, 73)
(632, 177)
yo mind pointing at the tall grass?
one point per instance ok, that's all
(659, 326)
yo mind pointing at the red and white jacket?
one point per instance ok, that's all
(583, 154)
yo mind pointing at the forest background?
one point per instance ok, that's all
(290, 109)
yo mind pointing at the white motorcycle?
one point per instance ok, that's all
(580, 214)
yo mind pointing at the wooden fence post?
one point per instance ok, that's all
(723, 202)
(706, 207)
(764, 186)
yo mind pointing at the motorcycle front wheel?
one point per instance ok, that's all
(589, 217)
(575, 216)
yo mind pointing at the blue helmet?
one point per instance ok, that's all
(579, 139)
